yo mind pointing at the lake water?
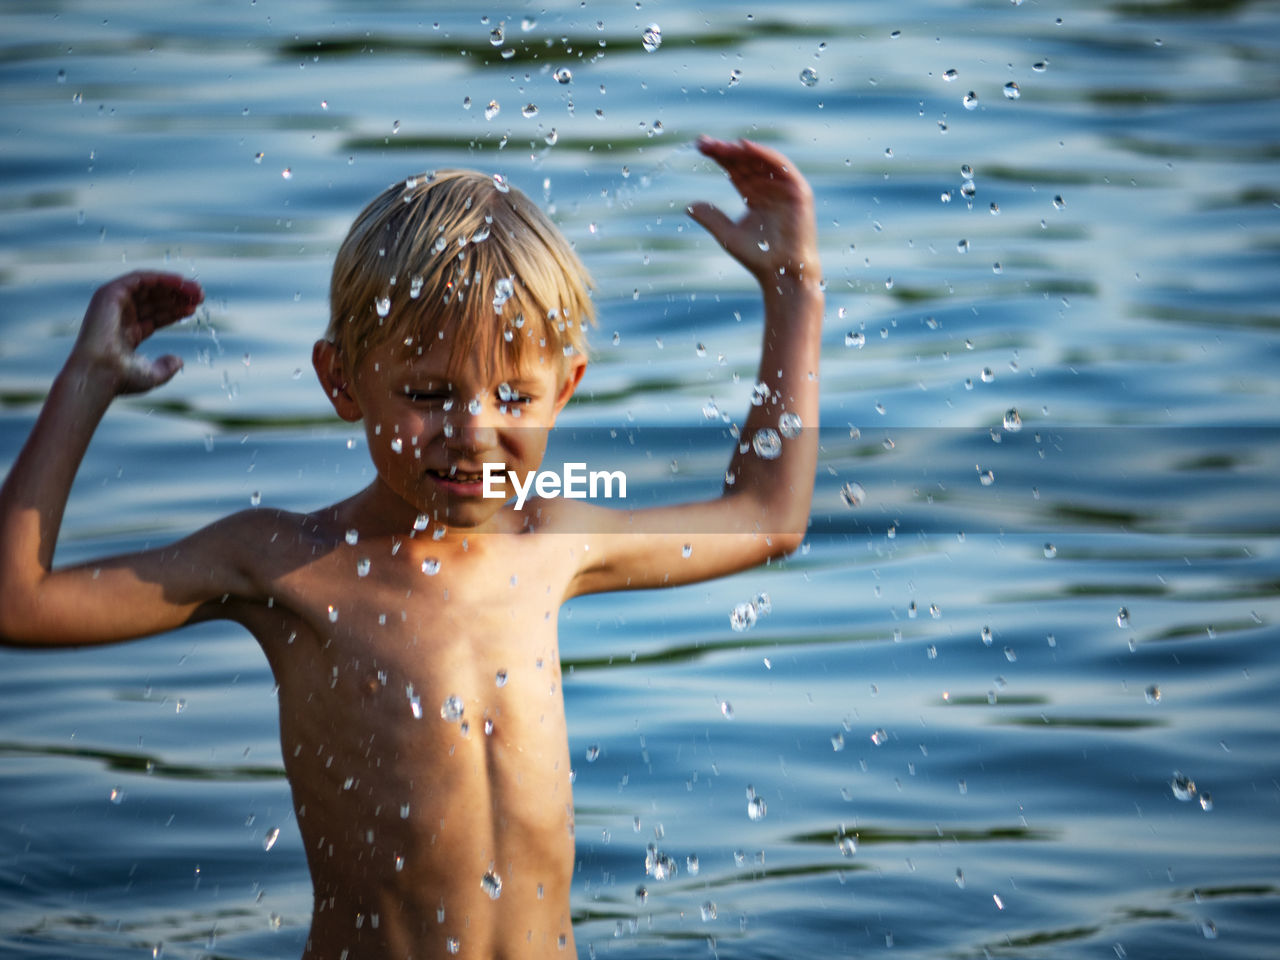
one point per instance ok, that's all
(974, 711)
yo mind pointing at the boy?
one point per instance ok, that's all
(411, 628)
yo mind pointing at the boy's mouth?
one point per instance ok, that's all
(454, 475)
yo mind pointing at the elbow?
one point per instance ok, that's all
(784, 543)
(18, 622)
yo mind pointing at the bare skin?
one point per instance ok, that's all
(421, 717)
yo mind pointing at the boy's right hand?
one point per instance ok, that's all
(120, 316)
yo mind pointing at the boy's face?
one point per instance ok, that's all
(430, 431)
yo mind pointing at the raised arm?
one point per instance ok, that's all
(124, 596)
(764, 508)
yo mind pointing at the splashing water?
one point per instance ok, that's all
(743, 617)
(491, 884)
(853, 494)
(452, 708)
(767, 444)
(503, 290)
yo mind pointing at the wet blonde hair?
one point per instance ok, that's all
(461, 261)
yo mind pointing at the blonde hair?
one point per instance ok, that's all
(461, 259)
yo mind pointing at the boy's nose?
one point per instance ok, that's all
(474, 428)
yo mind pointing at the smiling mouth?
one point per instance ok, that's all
(454, 475)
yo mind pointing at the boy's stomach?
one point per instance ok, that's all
(435, 816)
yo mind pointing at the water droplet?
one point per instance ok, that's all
(1152, 694)
(491, 884)
(743, 617)
(431, 566)
(492, 110)
(451, 944)
(116, 796)
(269, 840)
(500, 678)
(255, 498)
(529, 111)
(853, 494)
(726, 709)
(756, 808)
(1122, 617)
(986, 477)
(970, 101)
(496, 36)
(987, 375)
(564, 75)
(1012, 420)
(396, 444)
(1183, 787)
(651, 40)
(415, 702)
(593, 753)
(962, 246)
(500, 183)
(734, 77)
(420, 522)
(709, 912)
(686, 551)
(986, 636)
(333, 614)
(503, 290)
(362, 567)
(1058, 202)
(951, 75)
(452, 708)
(1050, 551)
(837, 741)
(382, 305)
(767, 444)
(1011, 91)
(809, 77)
(287, 173)
(855, 338)
(789, 425)
(352, 537)
(878, 737)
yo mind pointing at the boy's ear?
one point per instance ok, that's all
(335, 379)
(577, 366)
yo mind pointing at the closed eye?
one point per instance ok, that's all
(427, 396)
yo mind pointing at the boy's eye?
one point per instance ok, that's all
(427, 396)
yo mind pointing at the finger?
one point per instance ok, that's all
(164, 369)
(144, 374)
(714, 220)
(164, 303)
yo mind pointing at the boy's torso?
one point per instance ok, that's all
(423, 731)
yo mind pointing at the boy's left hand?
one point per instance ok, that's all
(776, 238)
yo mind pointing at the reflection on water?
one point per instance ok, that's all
(1048, 379)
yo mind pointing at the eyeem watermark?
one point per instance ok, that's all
(573, 483)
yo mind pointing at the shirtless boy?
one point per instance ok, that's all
(411, 628)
